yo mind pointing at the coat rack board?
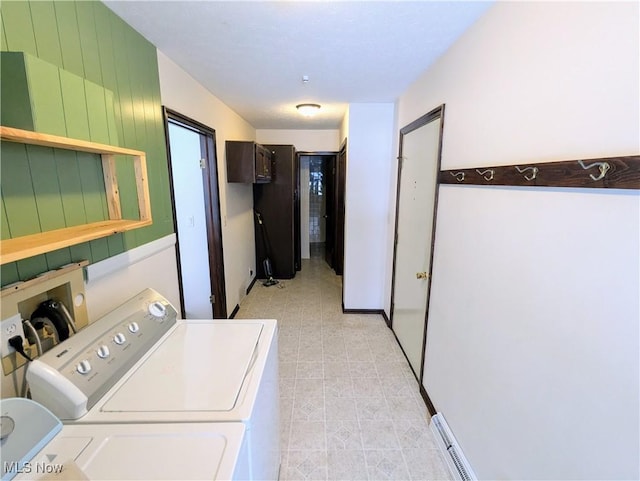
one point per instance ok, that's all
(607, 173)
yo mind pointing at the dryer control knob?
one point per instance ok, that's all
(103, 352)
(157, 309)
(134, 327)
(83, 367)
(119, 339)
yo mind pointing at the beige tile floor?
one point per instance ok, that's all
(350, 405)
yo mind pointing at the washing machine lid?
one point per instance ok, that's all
(201, 366)
(144, 452)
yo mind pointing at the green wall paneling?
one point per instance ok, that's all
(46, 96)
(88, 42)
(18, 27)
(48, 198)
(14, 92)
(58, 258)
(70, 183)
(127, 131)
(69, 37)
(3, 36)
(45, 187)
(46, 32)
(154, 125)
(20, 204)
(129, 134)
(96, 45)
(17, 194)
(91, 180)
(74, 101)
(9, 273)
(111, 118)
(37, 103)
(102, 19)
(96, 112)
(31, 267)
(5, 231)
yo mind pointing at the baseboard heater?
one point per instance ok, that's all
(453, 455)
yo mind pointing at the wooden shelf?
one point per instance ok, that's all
(30, 245)
(35, 244)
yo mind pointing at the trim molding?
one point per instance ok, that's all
(251, 285)
(427, 400)
(364, 311)
(127, 258)
(235, 311)
(386, 319)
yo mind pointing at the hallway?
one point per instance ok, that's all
(350, 405)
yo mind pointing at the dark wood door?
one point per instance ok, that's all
(296, 213)
(262, 164)
(341, 175)
(329, 170)
(276, 203)
(211, 201)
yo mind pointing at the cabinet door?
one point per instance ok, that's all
(262, 164)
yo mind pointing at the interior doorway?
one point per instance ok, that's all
(418, 167)
(193, 177)
(317, 205)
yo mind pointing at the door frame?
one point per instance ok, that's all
(211, 206)
(340, 204)
(437, 113)
(325, 154)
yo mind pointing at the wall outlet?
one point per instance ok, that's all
(8, 328)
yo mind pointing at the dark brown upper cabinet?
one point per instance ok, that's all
(248, 162)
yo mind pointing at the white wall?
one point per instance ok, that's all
(182, 93)
(116, 279)
(536, 81)
(343, 133)
(367, 200)
(533, 322)
(304, 140)
(305, 249)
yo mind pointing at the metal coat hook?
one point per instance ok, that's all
(603, 166)
(487, 178)
(458, 175)
(534, 172)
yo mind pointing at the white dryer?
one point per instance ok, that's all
(139, 364)
(36, 446)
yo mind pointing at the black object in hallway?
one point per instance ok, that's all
(279, 204)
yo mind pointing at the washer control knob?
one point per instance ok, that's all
(103, 352)
(83, 367)
(119, 339)
(157, 309)
(134, 327)
(7, 425)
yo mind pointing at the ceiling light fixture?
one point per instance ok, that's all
(308, 110)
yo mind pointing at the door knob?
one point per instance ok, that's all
(422, 275)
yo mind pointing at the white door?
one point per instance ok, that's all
(416, 197)
(192, 227)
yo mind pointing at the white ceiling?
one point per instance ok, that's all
(252, 54)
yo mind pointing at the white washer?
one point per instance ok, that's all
(139, 364)
(37, 446)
